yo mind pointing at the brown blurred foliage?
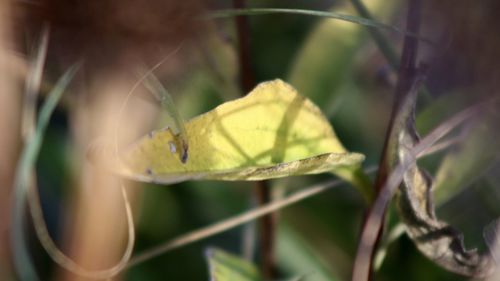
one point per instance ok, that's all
(111, 31)
(470, 41)
(114, 39)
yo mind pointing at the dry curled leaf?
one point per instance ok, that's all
(435, 238)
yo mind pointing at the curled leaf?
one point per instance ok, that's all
(435, 238)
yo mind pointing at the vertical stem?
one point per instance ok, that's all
(403, 105)
(247, 80)
(267, 231)
(262, 191)
(406, 77)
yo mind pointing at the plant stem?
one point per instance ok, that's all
(234, 221)
(278, 204)
(262, 190)
(247, 80)
(267, 230)
(403, 104)
(384, 46)
(401, 107)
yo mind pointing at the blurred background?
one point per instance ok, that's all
(336, 64)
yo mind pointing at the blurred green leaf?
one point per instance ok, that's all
(332, 15)
(471, 159)
(324, 64)
(296, 258)
(441, 109)
(227, 267)
(325, 60)
(383, 44)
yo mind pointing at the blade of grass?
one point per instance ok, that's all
(22, 261)
(33, 85)
(232, 222)
(33, 81)
(332, 15)
(64, 261)
(383, 44)
(129, 95)
(33, 198)
(167, 104)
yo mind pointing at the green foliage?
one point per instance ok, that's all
(469, 160)
(331, 61)
(227, 267)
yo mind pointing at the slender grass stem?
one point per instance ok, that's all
(229, 13)
(250, 215)
(22, 182)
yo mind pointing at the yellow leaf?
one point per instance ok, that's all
(272, 132)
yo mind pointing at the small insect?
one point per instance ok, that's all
(167, 103)
(238, 140)
(183, 153)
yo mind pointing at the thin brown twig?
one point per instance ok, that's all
(267, 231)
(245, 217)
(232, 222)
(406, 78)
(402, 108)
(247, 80)
(262, 189)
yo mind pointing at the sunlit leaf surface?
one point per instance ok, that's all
(272, 132)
